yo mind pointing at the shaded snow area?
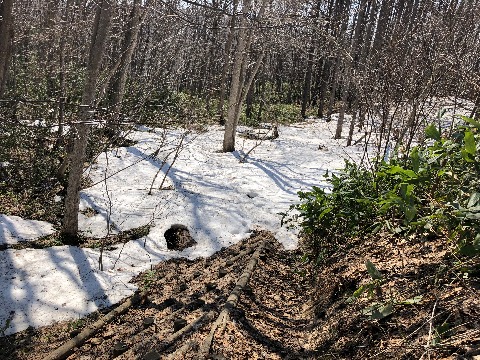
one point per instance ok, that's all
(219, 199)
(14, 229)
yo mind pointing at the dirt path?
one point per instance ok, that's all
(434, 310)
(266, 323)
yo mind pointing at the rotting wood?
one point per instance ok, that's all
(66, 349)
(146, 333)
(181, 351)
(167, 342)
(232, 301)
(238, 256)
(143, 337)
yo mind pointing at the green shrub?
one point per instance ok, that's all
(435, 190)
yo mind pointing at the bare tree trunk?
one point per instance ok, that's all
(128, 46)
(306, 95)
(352, 127)
(341, 118)
(350, 64)
(6, 34)
(382, 26)
(236, 85)
(333, 89)
(307, 83)
(240, 86)
(62, 81)
(226, 63)
(323, 87)
(77, 158)
(476, 109)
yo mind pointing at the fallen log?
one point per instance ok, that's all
(66, 349)
(231, 301)
(233, 259)
(167, 342)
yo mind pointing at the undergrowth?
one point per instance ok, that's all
(434, 191)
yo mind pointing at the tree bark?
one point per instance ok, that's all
(226, 63)
(306, 94)
(6, 34)
(128, 46)
(77, 158)
(236, 85)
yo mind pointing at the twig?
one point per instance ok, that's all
(109, 215)
(166, 343)
(159, 169)
(181, 351)
(258, 143)
(125, 168)
(429, 340)
(231, 301)
(177, 152)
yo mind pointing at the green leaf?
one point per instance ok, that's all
(378, 311)
(399, 170)
(471, 121)
(472, 215)
(377, 228)
(415, 158)
(372, 271)
(360, 291)
(469, 250)
(441, 331)
(382, 312)
(410, 212)
(432, 133)
(474, 199)
(470, 144)
(466, 156)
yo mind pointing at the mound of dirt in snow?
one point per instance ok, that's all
(178, 237)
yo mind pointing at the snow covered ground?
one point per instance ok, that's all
(218, 198)
(14, 229)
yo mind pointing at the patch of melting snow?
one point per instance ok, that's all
(14, 229)
(212, 194)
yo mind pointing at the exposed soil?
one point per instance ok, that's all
(178, 238)
(435, 311)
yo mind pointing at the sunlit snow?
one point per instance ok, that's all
(218, 198)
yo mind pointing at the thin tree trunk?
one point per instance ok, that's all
(350, 64)
(77, 158)
(323, 87)
(129, 44)
(6, 35)
(352, 128)
(236, 85)
(307, 83)
(226, 63)
(306, 95)
(239, 88)
(476, 109)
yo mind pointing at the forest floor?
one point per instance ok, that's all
(434, 311)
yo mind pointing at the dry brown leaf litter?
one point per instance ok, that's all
(276, 317)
